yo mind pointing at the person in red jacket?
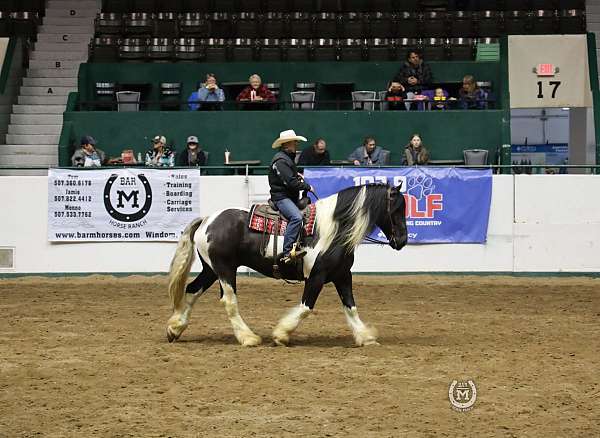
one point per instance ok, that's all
(255, 92)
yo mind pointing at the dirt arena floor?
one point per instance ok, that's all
(88, 357)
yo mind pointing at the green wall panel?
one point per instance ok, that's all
(366, 76)
(249, 134)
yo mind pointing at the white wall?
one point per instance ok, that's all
(547, 223)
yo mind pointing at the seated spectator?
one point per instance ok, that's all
(415, 153)
(208, 97)
(395, 96)
(160, 155)
(256, 91)
(440, 100)
(193, 155)
(470, 95)
(368, 154)
(88, 155)
(414, 76)
(316, 155)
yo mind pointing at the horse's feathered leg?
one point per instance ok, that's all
(242, 332)
(291, 320)
(363, 334)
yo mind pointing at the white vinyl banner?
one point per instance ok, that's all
(121, 204)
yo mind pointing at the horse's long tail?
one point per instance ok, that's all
(182, 262)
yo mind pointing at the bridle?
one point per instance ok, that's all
(389, 213)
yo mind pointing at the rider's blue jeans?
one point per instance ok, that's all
(292, 213)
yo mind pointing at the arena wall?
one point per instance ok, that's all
(542, 223)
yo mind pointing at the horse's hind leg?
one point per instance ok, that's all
(180, 318)
(363, 334)
(242, 332)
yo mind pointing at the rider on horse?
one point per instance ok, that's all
(286, 184)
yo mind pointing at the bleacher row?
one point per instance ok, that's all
(22, 23)
(107, 49)
(274, 36)
(403, 24)
(122, 6)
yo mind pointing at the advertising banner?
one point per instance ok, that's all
(443, 205)
(121, 204)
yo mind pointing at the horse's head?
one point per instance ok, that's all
(393, 224)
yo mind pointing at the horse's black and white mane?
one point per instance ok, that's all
(346, 217)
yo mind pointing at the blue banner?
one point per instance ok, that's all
(443, 205)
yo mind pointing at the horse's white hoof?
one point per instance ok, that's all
(251, 340)
(370, 342)
(281, 338)
(172, 336)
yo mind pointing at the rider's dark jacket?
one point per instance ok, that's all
(284, 179)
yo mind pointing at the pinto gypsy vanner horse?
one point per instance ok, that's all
(224, 242)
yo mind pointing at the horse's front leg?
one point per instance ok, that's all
(242, 332)
(291, 320)
(363, 334)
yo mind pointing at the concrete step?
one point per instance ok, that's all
(52, 72)
(592, 19)
(34, 129)
(62, 65)
(39, 109)
(50, 82)
(79, 46)
(76, 12)
(32, 139)
(63, 37)
(46, 91)
(68, 21)
(591, 9)
(27, 149)
(66, 55)
(42, 100)
(72, 30)
(29, 160)
(72, 4)
(34, 119)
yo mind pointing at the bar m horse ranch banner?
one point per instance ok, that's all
(443, 205)
(121, 204)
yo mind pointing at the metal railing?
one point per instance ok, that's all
(241, 169)
(278, 105)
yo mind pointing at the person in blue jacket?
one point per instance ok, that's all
(208, 97)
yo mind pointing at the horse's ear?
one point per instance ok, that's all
(398, 188)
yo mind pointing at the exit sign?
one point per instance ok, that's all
(545, 70)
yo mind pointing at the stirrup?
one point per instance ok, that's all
(295, 254)
(297, 251)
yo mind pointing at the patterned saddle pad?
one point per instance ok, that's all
(263, 218)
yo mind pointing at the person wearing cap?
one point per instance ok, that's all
(88, 155)
(286, 184)
(193, 154)
(160, 155)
